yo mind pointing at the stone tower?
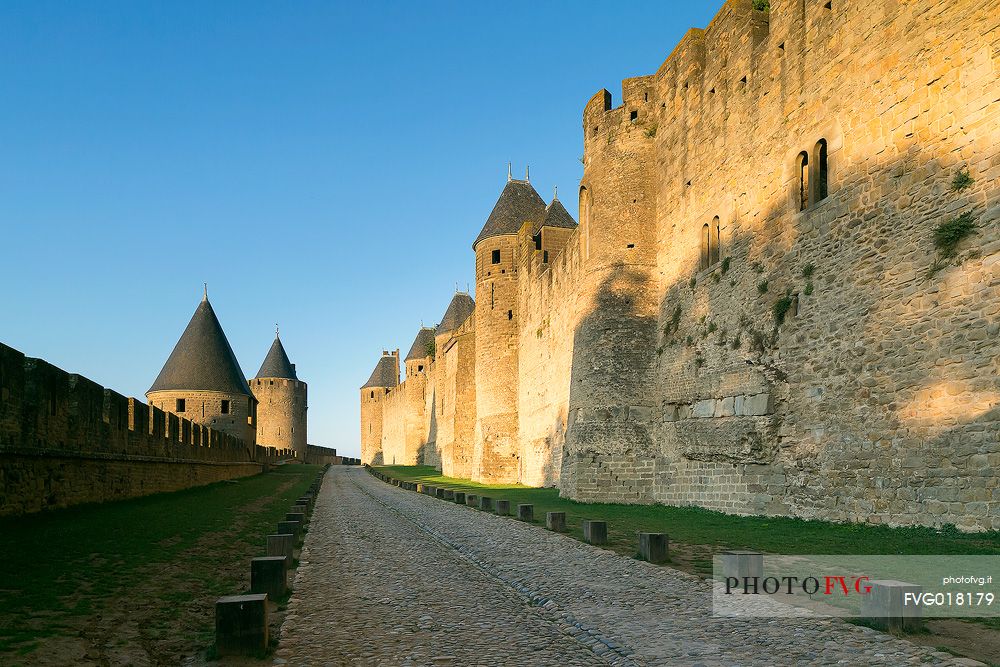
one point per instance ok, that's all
(421, 353)
(373, 395)
(203, 382)
(282, 402)
(496, 454)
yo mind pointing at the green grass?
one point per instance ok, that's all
(714, 530)
(69, 564)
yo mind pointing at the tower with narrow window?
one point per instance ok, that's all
(496, 455)
(383, 379)
(282, 402)
(202, 380)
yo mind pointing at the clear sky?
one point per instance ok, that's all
(324, 165)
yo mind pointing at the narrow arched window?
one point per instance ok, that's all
(713, 242)
(585, 221)
(803, 181)
(705, 246)
(821, 170)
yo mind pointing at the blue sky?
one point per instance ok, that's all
(321, 165)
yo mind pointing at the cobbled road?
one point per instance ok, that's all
(393, 577)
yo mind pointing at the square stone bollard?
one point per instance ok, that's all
(430, 490)
(282, 544)
(241, 625)
(300, 507)
(654, 547)
(269, 574)
(595, 532)
(503, 507)
(526, 512)
(439, 492)
(421, 488)
(740, 564)
(471, 500)
(459, 497)
(449, 494)
(486, 503)
(292, 527)
(296, 516)
(556, 521)
(888, 607)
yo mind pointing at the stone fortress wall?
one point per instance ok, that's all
(752, 315)
(66, 440)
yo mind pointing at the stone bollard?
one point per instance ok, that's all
(471, 500)
(430, 490)
(485, 503)
(269, 574)
(459, 497)
(654, 547)
(241, 625)
(449, 494)
(595, 532)
(291, 527)
(526, 512)
(421, 488)
(503, 507)
(890, 605)
(740, 564)
(556, 521)
(439, 492)
(282, 544)
(296, 516)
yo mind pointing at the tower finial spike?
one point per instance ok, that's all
(205, 297)
(509, 174)
(277, 334)
(527, 177)
(555, 192)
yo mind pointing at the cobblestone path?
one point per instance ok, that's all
(392, 577)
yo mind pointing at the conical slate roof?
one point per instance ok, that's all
(459, 310)
(202, 359)
(276, 363)
(518, 203)
(556, 215)
(421, 344)
(386, 373)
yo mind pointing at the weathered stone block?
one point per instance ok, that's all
(241, 625)
(595, 532)
(758, 405)
(486, 503)
(439, 492)
(459, 497)
(449, 494)
(269, 574)
(654, 547)
(296, 516)
(888, 607)
(705, 408)
(421, 488)
(290, 527)
(726, 407)
(556, 521)
(471, 500)
(282, 544)
(503, 507)
(526, 512)
(740, 564)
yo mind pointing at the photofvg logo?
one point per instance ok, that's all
(788, 585)
(753, 584)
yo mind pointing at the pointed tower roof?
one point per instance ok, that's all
(202, 359)
(518, 203)
(556, 215)
(421, 344)
(386, 373)
(459, 310)
(276, 363)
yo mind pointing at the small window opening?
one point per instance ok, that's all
(828, 5)
(705, 234)
(420, 369)
(270, 382)
(372, 394)
(594, 131)
(630, 245)
(180, 405)
(645, 97)
(688, 184)
(545, 256)
(713, 242)
(712, 91)
(743, 80)
(685, 85)
(538, 241)
(225, 407)
(496, 256)
(803, 181)
(821, 170)
(634, 115)
(510, 314)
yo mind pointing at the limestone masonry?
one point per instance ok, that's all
(783, 296)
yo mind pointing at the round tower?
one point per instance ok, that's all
(496, 457)
(202, 380)
(373, 393)
(282, 402)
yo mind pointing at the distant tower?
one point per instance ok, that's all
(421, 353)
(282, 402)
(202, 380)
(497, 450)
(383, 379)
